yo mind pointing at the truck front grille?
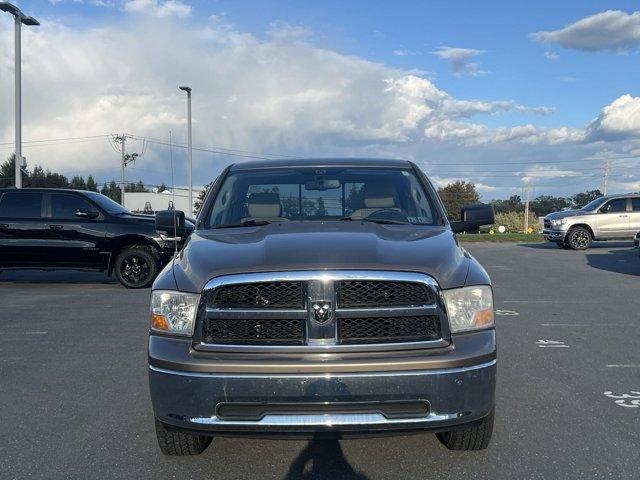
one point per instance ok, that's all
(382, 293)
(259, 295)
(290, 309)
(388, 329)
(253, 331)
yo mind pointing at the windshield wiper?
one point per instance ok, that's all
(378, 220)
(246, 223)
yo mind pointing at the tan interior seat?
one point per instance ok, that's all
(264, 206)
(377, 196)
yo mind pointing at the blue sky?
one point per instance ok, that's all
(404, 69)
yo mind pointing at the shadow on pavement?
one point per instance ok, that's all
(55, 276)
(322, 459)
(619, 261)
(595, 245)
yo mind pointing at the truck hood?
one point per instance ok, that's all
(319, 246)
(566, 213)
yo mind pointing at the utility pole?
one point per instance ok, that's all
(125, 159)
(20, 18)
(527, 189)
(607, 169)
(190, 148)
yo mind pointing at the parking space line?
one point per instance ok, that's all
(624, 366)
(580, 302)
(589, 325)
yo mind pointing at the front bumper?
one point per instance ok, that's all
(554, 235)
(457, 386)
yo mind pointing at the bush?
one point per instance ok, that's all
(514, 222)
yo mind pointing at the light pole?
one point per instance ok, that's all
(190, 148)
(20, 18)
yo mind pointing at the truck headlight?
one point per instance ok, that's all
(469, 308)
(558, 222)
(173, 312)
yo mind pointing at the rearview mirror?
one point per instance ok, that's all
(83, 213)
(322, 184)
(171, 223)
(473, 217)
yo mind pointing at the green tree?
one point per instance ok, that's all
(201, 196)
(91, 184)
(111, 190)
(545, 204)
(321, 209)
(78, 183)
(579, 200)
(512, 204)
(455, 195)
(8, 172)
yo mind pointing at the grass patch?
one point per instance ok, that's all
(501, 237)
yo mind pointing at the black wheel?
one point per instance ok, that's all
(579, 238)
(178, 443)
(136, 267)
(471, 438)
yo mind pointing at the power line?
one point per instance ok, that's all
(59, 139)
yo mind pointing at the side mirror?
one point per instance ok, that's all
(88, 214)
(171, 223)
(473, 217)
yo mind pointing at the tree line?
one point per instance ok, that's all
(456, 194)
(39, 177)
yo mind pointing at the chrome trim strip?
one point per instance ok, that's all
(386, 311)
(319, 348)
(257, 313)
(323, 275)
(438, 371)
(325, 420)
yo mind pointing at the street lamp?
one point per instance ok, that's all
(190, 150)
(20, 18)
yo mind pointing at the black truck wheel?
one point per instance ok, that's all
(136, 267)
(476, 437)
(579, 238)
(178, 443)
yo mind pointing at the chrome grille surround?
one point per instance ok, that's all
(322, 336)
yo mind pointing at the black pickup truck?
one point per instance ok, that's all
(71, 229)
(322, 297)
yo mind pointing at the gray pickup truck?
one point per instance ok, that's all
(322, 297)
(615, 217)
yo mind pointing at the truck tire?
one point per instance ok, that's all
(476, 437)
(178, 443)
(579, 238)
(136, 267)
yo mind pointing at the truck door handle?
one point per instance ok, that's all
(624, 216)
(56, 227)
(4, 225)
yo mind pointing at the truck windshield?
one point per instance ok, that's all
(383, 195)
(593, 204)
(106, 203)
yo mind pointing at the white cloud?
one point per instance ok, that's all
(461, 60)
(617, 121)
(279, 94)
(158, 8)
(612, 30)
(283, 31)
(477, 134)
(405, 53)
(553, 56)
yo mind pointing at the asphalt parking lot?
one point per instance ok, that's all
(73, 384)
